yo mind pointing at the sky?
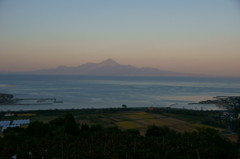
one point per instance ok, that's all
(191, 36)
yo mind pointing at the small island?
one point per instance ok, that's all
(8, 99)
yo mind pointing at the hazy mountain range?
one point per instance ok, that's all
(106, 68)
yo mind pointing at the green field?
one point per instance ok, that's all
(131, 118)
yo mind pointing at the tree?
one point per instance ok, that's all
(124, 106)
(70, 125)
(159, 131)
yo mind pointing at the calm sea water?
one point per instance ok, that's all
(106, 92)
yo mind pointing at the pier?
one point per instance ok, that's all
(8, 99)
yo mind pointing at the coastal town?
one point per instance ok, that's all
(231, 105)
(229, 102)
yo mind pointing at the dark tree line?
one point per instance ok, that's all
(63, 138)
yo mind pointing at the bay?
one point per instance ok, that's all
(78, 92)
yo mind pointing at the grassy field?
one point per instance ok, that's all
(123, 118)
(136, 120)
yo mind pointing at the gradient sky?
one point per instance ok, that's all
(192, 36)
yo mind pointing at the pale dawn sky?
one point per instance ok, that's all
(192, 36)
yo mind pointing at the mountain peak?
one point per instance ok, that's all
(108, 67)
(109, 62)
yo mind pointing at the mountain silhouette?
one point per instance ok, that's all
(108, 67)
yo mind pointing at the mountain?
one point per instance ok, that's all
(108, 67)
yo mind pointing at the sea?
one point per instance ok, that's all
(78, 92)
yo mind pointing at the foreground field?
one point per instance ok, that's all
(130, 118)
(124, 119)
(136, 118)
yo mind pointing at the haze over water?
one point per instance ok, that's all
(111, 92)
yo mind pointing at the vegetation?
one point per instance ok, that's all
(211, 118)
(64, 138)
